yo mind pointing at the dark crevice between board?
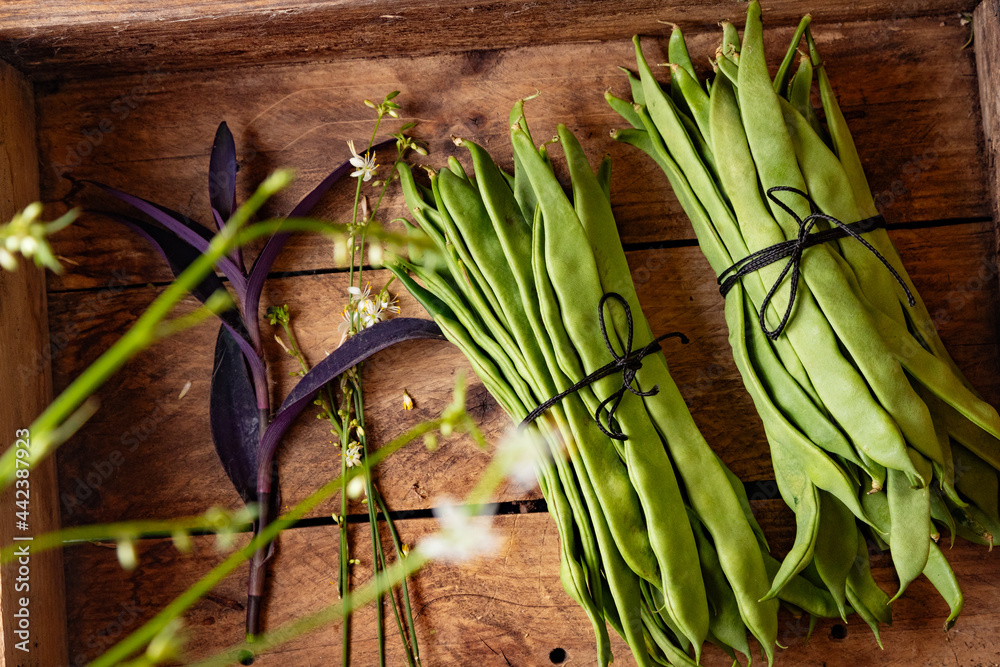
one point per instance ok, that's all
(757, 490)
(629, 247)
(660, 245)
(163, 283)
(947, 222)
(919, 224)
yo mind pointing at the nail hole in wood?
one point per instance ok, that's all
(557, 656)
(838, 631)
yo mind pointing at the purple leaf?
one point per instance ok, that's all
(257, 369)
(234, 417)
(265, 260)
(355, 349)
(185, 229)
(235, 422)
(222, 173)
(179, 255)
(222, 182)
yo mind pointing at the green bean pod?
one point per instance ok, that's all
(836, 548)
(574, 277)
(704, 477)
(781, 76)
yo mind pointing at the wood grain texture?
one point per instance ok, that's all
(158, 128)
(510, 603)
(25, 390)
(109, 468)
(508, 609)
(987, 36)
(60, 38)
(125, 96)
(106, 469)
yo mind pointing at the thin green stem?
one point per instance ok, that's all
(381, 583)
(141, 335)
(372, 518)
(357, 200)
(293, 346)
(325, 398)
(216, 304)
(344, 580)
(138, 639)
(354, 223)
(375, 501)
(371, 215)
(414, 648)
(110, 532)
(393, 604)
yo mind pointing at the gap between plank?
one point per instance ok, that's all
(920, 224)
(766, 489)
(628, 247)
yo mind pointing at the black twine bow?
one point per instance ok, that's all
(629, 364)
(793, 250)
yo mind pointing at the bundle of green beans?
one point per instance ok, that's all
(657, 537)
(872, 428)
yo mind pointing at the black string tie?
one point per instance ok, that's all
(629, 364)
(793, 250)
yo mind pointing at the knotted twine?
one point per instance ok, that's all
(794, 248)
(629, 364)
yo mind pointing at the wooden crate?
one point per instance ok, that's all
(131, 95)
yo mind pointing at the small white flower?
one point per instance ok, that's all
(353, 456)
(365, 165)
(356, 487)
(462, 536)
(126, 554)
(367, 312)
(375, 254)
(519, 453)
(364, 209)
(364, 310)
(346, 323)
(7, 260)
(28, 246)
(387, 305)
(407, 401)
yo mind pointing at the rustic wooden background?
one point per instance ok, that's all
(132, 96)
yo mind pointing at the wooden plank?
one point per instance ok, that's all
(59, 38)
(112, 454)
(32, 612)
(921, 86)
(125, 463)
(511, 602)
(987, 35)
(507, 607)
